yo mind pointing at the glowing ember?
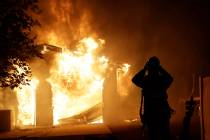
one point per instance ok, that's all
(125, 68)
(97, 120)
(26, 103)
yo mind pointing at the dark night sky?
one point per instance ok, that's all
(175, 31)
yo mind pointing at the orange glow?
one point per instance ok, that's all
(77, 79)
(77, 73)
(123, 80)
(52, 39)
(97, 120)
(26, 103)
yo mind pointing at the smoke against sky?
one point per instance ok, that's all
(175, 31)
(146, 28)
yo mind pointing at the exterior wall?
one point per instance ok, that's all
(43, 99)
(206, 108)
(110, 100)
(5, 120)
(44, 110)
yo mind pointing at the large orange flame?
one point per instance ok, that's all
(26, 103)
(77, 79)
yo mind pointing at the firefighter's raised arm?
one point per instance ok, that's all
(138, 79)
(168, 79)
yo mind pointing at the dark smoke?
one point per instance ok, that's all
(175, 31)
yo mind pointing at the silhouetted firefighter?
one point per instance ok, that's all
(154, 81)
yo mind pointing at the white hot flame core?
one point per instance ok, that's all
(26, 103)
(77, 80)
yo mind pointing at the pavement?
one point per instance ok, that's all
(74, 132)
(129, 131)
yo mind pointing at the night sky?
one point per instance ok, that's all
(175, 31)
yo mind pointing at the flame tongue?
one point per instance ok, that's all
(26, 103)
(77, 80)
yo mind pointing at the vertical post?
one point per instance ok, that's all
(111, 99)
(44, 109)
(5, 120)
(201, 106)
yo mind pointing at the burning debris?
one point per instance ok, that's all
(46, 48)
(91, 115)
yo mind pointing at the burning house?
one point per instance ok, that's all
(70, 87)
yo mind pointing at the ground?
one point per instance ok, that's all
(86, 132)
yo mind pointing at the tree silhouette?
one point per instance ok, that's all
(17, 41)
